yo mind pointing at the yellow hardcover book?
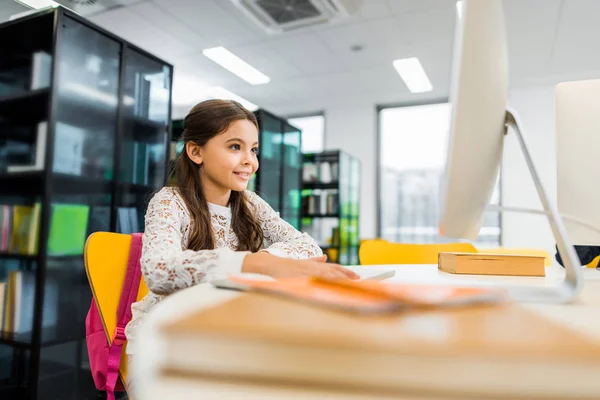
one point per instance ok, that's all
(34, 229)
(20, 231)
(492, 264)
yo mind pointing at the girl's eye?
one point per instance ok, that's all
(235, 147)
(255, 150)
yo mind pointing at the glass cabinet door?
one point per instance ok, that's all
(269, 179)
(145, 137)
(292, 174)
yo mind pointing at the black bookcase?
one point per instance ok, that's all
(84, 128)
(330, 203)
(279, 175)
(278, 179)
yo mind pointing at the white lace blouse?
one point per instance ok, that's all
(167, 265)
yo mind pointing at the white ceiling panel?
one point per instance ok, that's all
(213, 20)
(132, 26)
(370, 9)
(369, 34)
(437, 25)
(577, 46)
(529, 53)
(159, 16)
(307, 53)
(266, 59)
(400, 7)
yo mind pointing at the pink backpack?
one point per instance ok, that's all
(105, 358)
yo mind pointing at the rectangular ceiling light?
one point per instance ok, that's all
(413, 75)
(236, 65)
(38, 4)
(459, 7)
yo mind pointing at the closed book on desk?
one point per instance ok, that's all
(501, 350)
(491, 264)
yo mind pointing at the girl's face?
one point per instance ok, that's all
(230, 159)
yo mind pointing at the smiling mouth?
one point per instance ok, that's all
(243, 174)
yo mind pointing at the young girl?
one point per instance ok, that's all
(207, 225)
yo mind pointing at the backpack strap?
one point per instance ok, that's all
(128, 296)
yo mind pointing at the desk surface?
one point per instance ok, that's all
(580, 316)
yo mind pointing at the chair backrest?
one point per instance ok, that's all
(106, 257)
(594, 263)
(519, 251)
(375, 252)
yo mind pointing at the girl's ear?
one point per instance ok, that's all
(194, 152)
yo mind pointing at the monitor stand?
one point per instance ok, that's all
(571, 286)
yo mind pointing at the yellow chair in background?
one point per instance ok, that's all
(520, 251)
(106, 256)
(375, 252)
(594, 263)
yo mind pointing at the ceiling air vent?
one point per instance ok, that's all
(279, 16)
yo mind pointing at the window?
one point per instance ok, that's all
(413, 145)
(313, 132)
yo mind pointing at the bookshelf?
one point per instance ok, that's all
(280, 163)
(84, 127)
(330, 203)
(279, 176)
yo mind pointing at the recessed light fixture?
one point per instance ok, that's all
(412, 73)
(236, 65)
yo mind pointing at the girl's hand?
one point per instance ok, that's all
(279, 267)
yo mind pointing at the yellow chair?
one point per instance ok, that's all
(374, 252)
(520, 251)
(106, 256)
(594, 263)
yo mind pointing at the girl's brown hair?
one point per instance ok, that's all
(205, 121)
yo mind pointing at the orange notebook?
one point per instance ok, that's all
(366, 296)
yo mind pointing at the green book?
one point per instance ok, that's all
(68, 228)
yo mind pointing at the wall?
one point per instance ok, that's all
(534, 109)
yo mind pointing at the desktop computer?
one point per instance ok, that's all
(479, 122)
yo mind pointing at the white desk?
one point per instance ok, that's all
(581, 316)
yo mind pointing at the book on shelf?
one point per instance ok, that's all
(41, 69)
(320, 172)
(324, 202)
(19, 228)
(127, 220)
(40, 152)
(17, 302)
(492, 264)
(68, 229)
(69, 141)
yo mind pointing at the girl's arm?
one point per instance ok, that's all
(281, 238)
(166, 266)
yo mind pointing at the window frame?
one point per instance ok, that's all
(320, 113)
(378, 109)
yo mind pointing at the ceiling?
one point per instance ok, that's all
(549, 41)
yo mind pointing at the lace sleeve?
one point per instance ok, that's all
(281, 238)
(167, 265)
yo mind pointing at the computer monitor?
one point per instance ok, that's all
(577, 114)
(479, 122)
(479, 96)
